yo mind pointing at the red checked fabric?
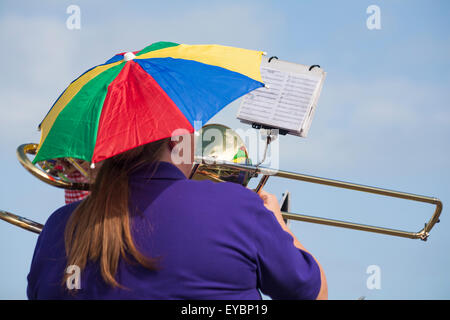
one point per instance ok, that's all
(76, 195)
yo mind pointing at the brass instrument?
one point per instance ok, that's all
(47, 172)
(266, 172)
(219, 161)
(21, 222)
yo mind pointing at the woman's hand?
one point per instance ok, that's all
(271, 203)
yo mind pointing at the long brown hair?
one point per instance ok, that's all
(99, 228)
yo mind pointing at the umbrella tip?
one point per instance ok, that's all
(129, 56)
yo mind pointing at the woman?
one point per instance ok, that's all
(148, 232)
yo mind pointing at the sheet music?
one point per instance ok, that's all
(287, 101)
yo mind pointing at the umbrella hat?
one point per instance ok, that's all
(144, 96)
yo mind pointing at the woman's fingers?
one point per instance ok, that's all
(270, 201)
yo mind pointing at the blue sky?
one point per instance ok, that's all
(382, 119)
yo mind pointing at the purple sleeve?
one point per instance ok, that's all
(284, 271)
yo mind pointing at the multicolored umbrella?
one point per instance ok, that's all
(140, 97)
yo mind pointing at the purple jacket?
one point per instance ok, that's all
(214, 240)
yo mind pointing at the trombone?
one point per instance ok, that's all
(21, 222)
(267, 172)
(211, 166)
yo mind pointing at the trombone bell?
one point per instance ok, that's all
(219, 142)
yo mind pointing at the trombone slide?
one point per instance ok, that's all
(267, 172)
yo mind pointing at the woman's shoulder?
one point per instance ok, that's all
(50, 242)
(60, 216)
